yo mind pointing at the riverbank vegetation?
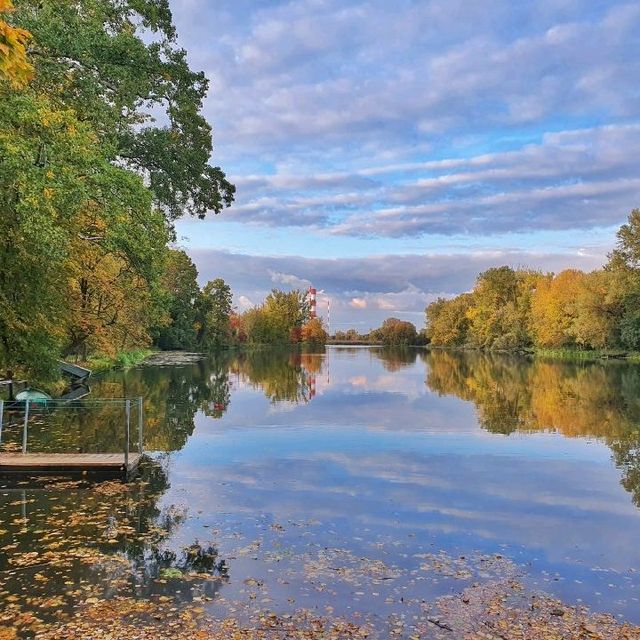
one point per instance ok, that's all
(102, 147)
(517, 309)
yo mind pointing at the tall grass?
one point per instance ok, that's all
(585, 354)
(122, 360)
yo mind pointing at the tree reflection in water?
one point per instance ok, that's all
(511, 393)
(394, 358)
(284, 375)
(172, 396)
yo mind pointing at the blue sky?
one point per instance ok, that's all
(388, 151)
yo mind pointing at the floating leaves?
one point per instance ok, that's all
(108, 561)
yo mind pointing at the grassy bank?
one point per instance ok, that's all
(583, 355)
(570, 355)
(122, 360)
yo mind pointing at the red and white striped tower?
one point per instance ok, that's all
(312, 301)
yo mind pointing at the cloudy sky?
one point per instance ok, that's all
(388, 151)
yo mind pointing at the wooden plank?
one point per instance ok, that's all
(45, 463)
(74, 370)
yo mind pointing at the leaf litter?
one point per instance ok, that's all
(90, 561)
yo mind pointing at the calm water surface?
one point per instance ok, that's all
(353, 481)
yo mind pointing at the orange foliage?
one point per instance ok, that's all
(14, 65)
(313, 331)
(553, 308)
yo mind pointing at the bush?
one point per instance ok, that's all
(507, 342)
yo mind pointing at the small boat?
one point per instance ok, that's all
(33, 395)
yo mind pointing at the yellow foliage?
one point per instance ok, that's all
(108, 302)
(313, 331)
(14, 65)
(5, 632)
(553, 308)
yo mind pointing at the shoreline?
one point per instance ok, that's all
(571, 355)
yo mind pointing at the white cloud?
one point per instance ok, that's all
(399, 120)
(288, 279)
(315, 73)
(244, 303)
(569, 179)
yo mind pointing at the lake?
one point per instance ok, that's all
(362, 483)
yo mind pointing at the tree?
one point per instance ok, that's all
(238, 328)
(447, 321)
(313, 331)
(116, 63)
(179, 291)
(14, 65)
(623, 268)
(285, 314)
(398, 332)
(214, 308)
(626, 255)
(597, 315)
(89, 184)
(500, 307)
(52, 211)
(630, 330)
(553, 310)
(256, 326)
(116, 257)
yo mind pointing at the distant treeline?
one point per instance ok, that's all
(511, 309)
(392, 332)
(205, 319)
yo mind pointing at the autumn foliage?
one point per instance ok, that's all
(512, 309)
(313, 331)
(90, 186)
(14, 64)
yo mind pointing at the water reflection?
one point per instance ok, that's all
(515, 393)
(171, 398)
(575, 399)
(509, 394)
(283, 375)
(281, 460)
(396, 358)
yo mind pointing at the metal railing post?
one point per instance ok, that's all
(127, 410)
(140, 422)
(1, 418)
(26, 422)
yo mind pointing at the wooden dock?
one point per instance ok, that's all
(95, 464)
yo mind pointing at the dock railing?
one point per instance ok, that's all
(14, 414)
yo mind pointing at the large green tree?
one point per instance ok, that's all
(286, 312)
(117, 64)
(623, 292)
(37, 206)
(98, 156)
(213, 312)
(179, 292)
